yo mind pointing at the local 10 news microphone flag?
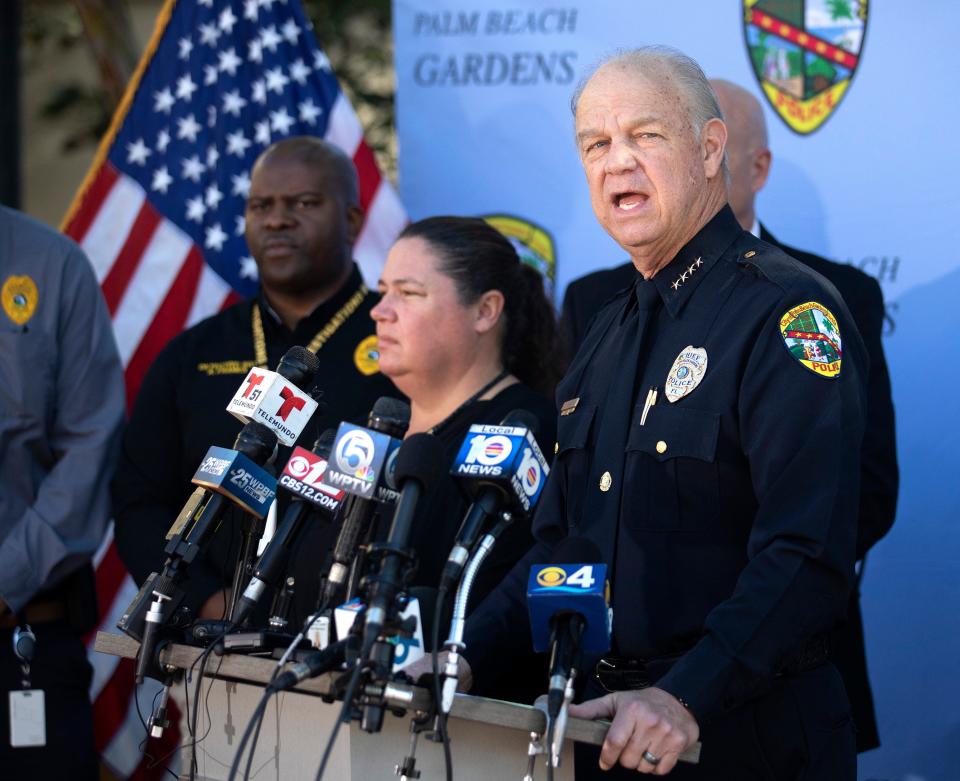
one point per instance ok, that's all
(160, 215)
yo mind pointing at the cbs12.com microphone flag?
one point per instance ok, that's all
(160, 215)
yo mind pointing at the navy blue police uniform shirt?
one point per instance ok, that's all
(732, 536)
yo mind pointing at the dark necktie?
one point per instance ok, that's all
(622, 356)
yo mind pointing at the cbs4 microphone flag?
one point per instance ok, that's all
(160, 215)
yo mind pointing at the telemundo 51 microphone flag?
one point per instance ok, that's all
(160, 214)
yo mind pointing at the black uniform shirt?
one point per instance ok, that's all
(734, 506)
(180, 412)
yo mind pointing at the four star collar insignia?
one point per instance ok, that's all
(20, 297)
(685, 275)
(811, 335)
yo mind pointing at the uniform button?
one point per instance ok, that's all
(605, 482)
(556, 448)
(749, 254)
(661, 446)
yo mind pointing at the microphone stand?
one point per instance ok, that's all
(454, 644)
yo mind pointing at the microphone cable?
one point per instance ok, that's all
(344, 714)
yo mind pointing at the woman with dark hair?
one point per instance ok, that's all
(466, 331)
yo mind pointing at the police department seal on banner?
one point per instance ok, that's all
(685, 374)
(811, 335)
(20, 297)
(804, 54)
(367, 356)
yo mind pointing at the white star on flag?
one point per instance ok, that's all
(280, 121)
(212, 156)
(320, 61)
(188, 127)
(185, 48)
(227, 20)
(196, 209)
(161, 180)
(290, 31)
(241, 224)
(209, 34)
(229, 61)
(241, 184)
(209, 75)
(299, 71)
(164, 100)
(250, 10)
(233, 103)
(185, 88)
(255, 51)
(259, 92)
(276, 81)
(248, 268)
(262, 132)
(163, 140)
(193, 169)
(138, 152)
(270, 38)
(215, 237)
(237, 144)
(213, 196)
(309, 111)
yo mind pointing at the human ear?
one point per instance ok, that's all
(489, 308)
(713, 140)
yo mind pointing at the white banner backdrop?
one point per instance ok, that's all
(485, 129)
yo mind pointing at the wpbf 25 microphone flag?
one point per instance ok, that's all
(160, 215)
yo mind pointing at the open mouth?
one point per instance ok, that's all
(628, 201)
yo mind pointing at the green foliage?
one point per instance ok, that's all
(839, 9)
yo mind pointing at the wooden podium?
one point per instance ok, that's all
(489, 738)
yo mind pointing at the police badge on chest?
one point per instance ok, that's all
(686, 373)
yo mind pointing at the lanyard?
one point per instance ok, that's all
(318, 341)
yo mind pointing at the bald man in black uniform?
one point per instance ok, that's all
(302, 219)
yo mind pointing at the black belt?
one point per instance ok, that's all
(619, 674)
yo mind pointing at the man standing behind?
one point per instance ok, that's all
(708, 446)
(749, 159)
(61, 408)
(302, 219)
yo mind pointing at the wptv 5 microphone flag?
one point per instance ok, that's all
(160, 214)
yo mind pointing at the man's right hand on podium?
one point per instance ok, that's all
(424, 666)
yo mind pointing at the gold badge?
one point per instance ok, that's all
(685, 374)
(367, 356)
(812, 336)
(605, 482)
(569, 406)
(20, 297)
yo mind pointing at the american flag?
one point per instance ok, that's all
(160, 215)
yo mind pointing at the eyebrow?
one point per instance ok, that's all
(401, 281)
(632, 123)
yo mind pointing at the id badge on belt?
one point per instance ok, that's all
(28, 719)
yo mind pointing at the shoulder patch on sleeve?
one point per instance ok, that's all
(811, 335)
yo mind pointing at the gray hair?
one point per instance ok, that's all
(685, 73)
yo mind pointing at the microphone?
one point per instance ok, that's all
(363, 452)
(506, 470)
(568, 612)
(234, 475)
(302, 476)
(419, 464)
(279, 399)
